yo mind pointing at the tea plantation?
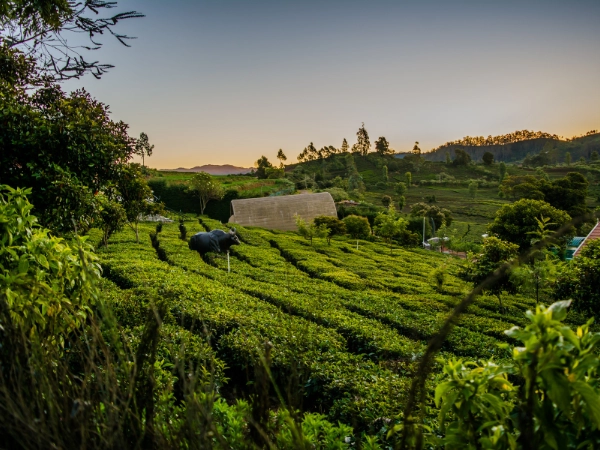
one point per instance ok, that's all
(341, 327)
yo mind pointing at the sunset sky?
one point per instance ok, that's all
(224, 82)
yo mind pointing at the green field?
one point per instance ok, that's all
(346, 324)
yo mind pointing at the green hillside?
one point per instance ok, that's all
(580, 147)
(346, 324)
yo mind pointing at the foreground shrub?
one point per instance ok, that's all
(547, 397)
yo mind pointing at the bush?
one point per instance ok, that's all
(357, 227)
(515, 222)
(338, 194)
(335, 226)
(555, 401)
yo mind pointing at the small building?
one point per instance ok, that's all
(572, 246)
(277, 213)
(594, 234)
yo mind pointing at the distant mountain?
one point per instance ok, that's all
(225, 169)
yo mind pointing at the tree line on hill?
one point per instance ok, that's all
(540, 149)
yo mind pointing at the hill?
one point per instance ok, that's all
(225, 169)
(555, 148)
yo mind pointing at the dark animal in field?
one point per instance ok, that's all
(213, 241)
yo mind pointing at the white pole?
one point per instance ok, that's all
(423, 231)
(357, 244)
(228, 267)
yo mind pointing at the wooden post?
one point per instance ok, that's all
(228, 266)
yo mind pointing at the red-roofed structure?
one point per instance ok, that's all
(594, 234)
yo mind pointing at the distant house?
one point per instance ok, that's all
(277, 213)
(572, 247)
(594, 234)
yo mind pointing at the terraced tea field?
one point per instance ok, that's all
(343, 326)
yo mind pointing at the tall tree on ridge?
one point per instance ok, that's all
(363, 144)
(143, 147)
(382, 146)
(281, 157)
(344, 148)
(416, 150)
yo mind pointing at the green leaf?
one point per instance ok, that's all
(23, 265)
(559, 309)
(440, 390)
(591, 398)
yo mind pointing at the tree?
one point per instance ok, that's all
(461, 158)
(408, 176)
(580, 280)
(401, 202)
(357, 227)
(540, 273)
(495, 254)
(594, 156)
(363, 144)
(355, 182)
(136, 196)
(513, 222)
(384, 173)
(389, 226)
(281, 157)
(344, 148)
(448, 159)
(206, 188)
(308, 154)
(473, 189)
(65, 147)
(439, 216)
(568, 193)
(416, 150)
(44, 32)
(112, 217)
(502, 170)
(386, 200)
(488, 158)
(262, 165)
(568, 159)
(143, 147)
(311, 230)
(335, 226)
(400, 188)
(382, 146)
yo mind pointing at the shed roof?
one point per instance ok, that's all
(278, 212)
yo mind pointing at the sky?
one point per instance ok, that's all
(224, 82)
